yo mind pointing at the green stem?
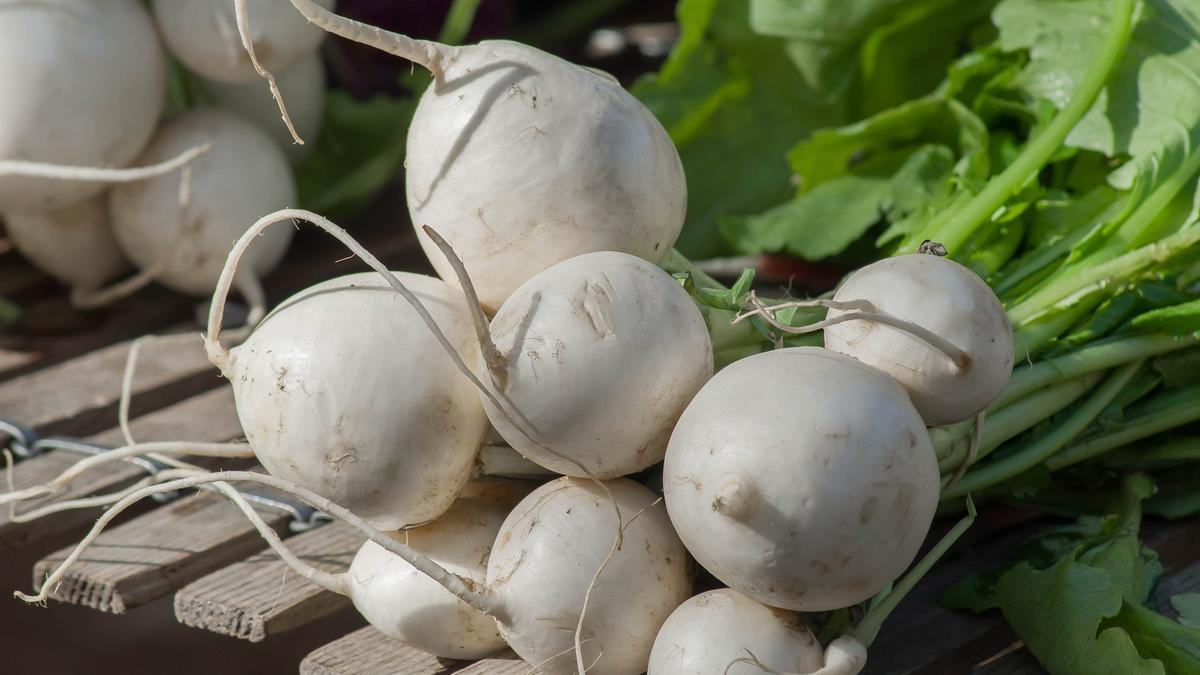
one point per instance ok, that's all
(568, 20)
(458, 21)
(1008, 422)
(1039, 150)
(1043, 447)
(868, 628)
(1103, 275)
(1092, 358)
(675, 262)
(1185, 410)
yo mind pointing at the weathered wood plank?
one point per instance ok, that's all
(505, 664)
(261, 597)
(368, 651)
(62, 396)
(150, 556)
(208, 417)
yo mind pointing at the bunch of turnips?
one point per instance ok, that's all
(97, 176)
(803, 479)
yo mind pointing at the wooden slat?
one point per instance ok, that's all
(152, 555)
(508, 664)
(54, 396)
(369, 651)
(260, 596)
(208, 417)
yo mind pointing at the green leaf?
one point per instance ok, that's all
(1181, 319)
(1132, 117)
(733, 103)
(820, 224)
(1175, 645)
(1188, 606)
(1057, 613)
(360, 150)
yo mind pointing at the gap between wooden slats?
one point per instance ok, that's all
(261, 596)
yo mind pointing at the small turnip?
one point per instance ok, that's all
(724, 631)
(802, 478)
(243, 176)
(74, 244)
(203, 34)
(522, 160)
(601, 353)
(946, 299)
(82, 83)
(406, 605)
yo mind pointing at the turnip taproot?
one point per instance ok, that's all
(203, 34)
(724, 631)
(802, 478)
(82, 84)
(600, 355)
(304, 86)
(74, 244)
(243, 176)
(541, 569)
(522, 160)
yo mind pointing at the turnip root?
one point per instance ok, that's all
(601, 353)
(404, 604)
(204, 35)
(544, 560)
(243, 176)
(304, 86)
(724, 631)
(82, 83)
(946, 299)
(343, 390)
(74, 244)
(540, 571)
(522, 160)
(802, 478)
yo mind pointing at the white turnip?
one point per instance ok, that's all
(802, 478)
(522, 160)
(303, 85)
(203, 34)
(946, 299)
(74, 244)
(82, 83)
(600, 355)
(343, 390)
(243, 176)
(724, 631)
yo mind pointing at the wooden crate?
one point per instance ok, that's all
(201, 551)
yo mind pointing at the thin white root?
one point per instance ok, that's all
(497, 364)
(466, 589)
(587, 596)
(972, 450)
(845, 655)
(91, 298)
(243, 25)
(859, 310)
(17, 167)
(425, 53)
(226, 450)
(96, 501)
